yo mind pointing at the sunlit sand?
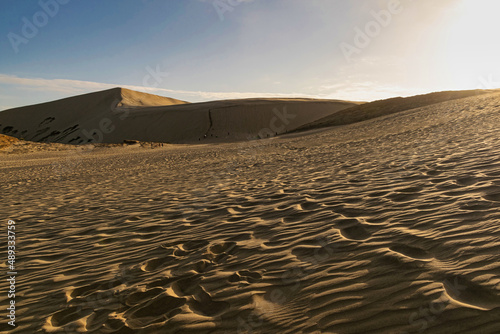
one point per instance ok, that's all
(383, 225)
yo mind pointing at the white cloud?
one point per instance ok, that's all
(353, 89)
(80, 87)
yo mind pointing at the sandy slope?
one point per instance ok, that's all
(115, 115)
(64, 120)
(385, 226)
(11, 145)
(379, 108)
(7, 141)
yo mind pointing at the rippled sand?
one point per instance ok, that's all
(387, 226)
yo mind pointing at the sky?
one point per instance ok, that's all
(199, 50)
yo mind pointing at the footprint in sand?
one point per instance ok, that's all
(220, 251)
(313, 253)
(466, 181)
(245, 276)
(97, 319)
(186, 286)
(352, 229)
(155, 263)
(68, 315)
(203, 303)
(86, 290)
(357, 233)
(202, 266)
(116, 325)
(199, 300)
(140, 296)
(183, 249)
(493, 196)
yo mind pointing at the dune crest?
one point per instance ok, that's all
(133, 99)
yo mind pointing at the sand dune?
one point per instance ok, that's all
(379, 108)
(389, 225)
(116, 115)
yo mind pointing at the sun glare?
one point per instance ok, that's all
(468, 51)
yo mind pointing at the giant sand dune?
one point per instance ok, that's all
(388, 225)
(115, 115)
(361, 112)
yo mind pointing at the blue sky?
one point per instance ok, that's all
(200, 50)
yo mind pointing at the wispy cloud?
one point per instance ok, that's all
(77, 87)
(349, 89)
(368, 91)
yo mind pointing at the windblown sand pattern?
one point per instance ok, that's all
(391, 225)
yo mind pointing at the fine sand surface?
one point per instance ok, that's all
(379, 108)
(390, 225)
(115, 115)
(11, 145)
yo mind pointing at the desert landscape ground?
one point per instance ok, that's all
(385, 225)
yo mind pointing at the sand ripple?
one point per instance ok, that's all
(385, 226)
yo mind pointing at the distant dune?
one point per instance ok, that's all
(379, 108)
(115, 115)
